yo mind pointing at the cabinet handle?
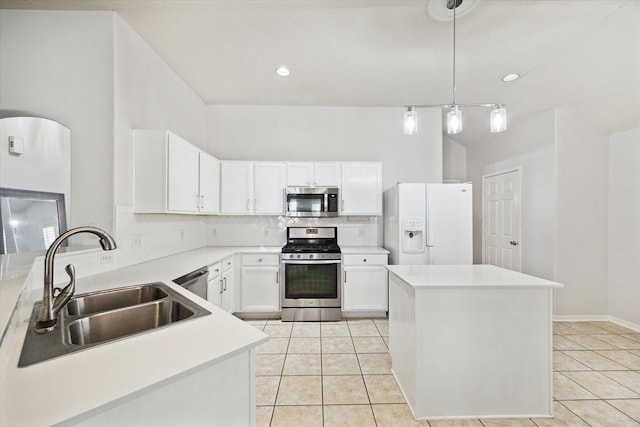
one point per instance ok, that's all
(259, 259)
(221, 287)
(225, 284)
(255, 204)
(277, 277)
(345, 276)
(201, 202)
(248, 205)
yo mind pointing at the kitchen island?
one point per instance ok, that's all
(471, 341)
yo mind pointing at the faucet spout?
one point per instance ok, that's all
(52, 304)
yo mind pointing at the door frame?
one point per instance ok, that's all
(519, 207)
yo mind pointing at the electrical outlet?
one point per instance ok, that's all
(136, 241)
(106, 258)
(182, 234)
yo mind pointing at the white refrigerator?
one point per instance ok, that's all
(429, 223)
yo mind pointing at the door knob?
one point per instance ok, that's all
(513, 243)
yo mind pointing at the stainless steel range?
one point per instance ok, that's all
(310, 268)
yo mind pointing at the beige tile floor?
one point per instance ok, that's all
(338, 374)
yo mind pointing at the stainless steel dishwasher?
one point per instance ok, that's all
(196, 281)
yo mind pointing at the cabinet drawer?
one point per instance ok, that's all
(261, 259)
(365, 259)
(227, 264)
(214, 270)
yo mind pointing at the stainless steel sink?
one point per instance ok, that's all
(118, 323)
(112, 299)
(101, 317)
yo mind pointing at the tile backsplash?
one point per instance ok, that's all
(272, 230)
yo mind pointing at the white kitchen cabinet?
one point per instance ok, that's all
(269, 183)
(227, 286)
(209, 168)
(309, 174)
(252, 188)
(365, 284)
(214, 284)
(260, 283)
(361, 189)
(236, 187)
(172, 176)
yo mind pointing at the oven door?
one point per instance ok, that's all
(311, 283)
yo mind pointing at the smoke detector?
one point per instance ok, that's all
(442, 10)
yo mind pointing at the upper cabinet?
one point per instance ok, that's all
(307, 174)
(173, 176)
(252, 188)
(361, 189)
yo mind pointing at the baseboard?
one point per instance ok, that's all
(597, 318)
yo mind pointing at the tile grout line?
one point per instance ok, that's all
(366, 389)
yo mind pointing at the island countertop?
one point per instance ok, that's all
(477, 275)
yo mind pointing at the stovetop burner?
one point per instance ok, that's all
(311, 240)
(310, 248)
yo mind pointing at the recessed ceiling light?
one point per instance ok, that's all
(283, 71)
(510, 77)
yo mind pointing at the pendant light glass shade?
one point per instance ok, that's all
(410, 121)
(454, 120)
(498, 119)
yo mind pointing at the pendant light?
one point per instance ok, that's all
(498, 116)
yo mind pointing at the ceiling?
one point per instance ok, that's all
(578, 55)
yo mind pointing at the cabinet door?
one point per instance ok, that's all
(269, 183)
(182, 176)
(260, 289)
(361, 189)
(326, 174)
(209, 183)
(299, 174)
(365, 288)
(235, 187)
(227, 298)
(214, 291)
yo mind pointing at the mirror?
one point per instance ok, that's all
(30, 220)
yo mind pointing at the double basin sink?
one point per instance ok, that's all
(100, 317)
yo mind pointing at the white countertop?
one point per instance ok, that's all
(425, 276)
(348, 250)
(58, 389)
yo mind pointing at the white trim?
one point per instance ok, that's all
(597, 318)
(519, 205)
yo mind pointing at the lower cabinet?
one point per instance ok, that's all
(214, 284)
(365, 283)
(260, 283)
(227, 286)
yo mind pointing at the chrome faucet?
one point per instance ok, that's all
(52, 304)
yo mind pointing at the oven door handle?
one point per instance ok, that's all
(311, 261)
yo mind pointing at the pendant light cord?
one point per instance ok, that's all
(455, 6)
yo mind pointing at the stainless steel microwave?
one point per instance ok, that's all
(313, 202)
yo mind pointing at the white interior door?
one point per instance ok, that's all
(501, 219)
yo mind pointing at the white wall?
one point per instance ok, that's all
(454, 161)
(149, 95)
(529, 146)
(59, 65)
(582, 171)
(93, 73)
(624, 226)
(330, 133)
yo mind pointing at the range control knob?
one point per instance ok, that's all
(311, 256)
(291, 256)
(298, 256)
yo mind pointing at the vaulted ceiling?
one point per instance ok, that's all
(578, 55)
